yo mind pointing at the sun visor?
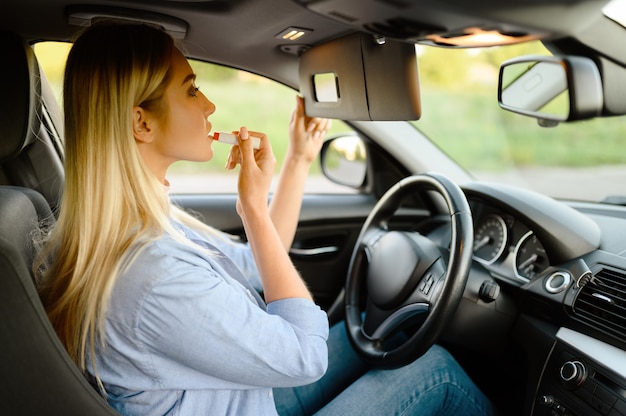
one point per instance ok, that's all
(358, 77)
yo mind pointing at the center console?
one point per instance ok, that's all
(583, 377)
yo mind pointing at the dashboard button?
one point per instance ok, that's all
(619, 408)
(585, 395)
(605, 396)
(573, 373)
(600, 406)
(557, 282)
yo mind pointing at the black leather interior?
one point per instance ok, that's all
(31, 354)
(30, 141)
(20, 108)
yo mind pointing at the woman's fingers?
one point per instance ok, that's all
(234, 157)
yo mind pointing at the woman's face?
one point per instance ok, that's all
(183, 134)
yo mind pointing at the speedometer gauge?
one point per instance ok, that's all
(530, 257)
(490, 239)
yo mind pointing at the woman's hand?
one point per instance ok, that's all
(279, 277)
(255, 174)
(306, 134)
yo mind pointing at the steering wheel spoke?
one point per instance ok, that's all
(381, 325)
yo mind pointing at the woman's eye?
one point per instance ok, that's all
(194, 91)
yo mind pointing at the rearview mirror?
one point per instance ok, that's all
(551, 89)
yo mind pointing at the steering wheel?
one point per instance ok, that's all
(399, 279)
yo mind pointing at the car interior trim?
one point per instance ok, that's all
(606, 355)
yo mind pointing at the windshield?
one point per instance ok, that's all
(583, 160)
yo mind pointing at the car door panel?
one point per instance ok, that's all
(327, 231)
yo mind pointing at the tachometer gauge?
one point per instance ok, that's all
(530, 257)
(490, 239)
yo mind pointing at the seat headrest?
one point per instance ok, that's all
(20, 103)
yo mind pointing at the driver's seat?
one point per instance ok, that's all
(37, 376)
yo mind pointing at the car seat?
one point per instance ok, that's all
(37, 376)
(31, 150)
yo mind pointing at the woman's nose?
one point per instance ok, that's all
(209, 106)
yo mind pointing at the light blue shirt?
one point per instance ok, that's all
(186, 334)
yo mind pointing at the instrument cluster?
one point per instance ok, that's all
(507, 246)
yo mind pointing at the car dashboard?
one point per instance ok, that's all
(561, 265)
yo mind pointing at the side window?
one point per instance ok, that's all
(241, 99)
(244, 99)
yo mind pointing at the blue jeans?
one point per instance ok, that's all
(434, 384)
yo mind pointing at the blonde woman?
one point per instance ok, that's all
(160, 310)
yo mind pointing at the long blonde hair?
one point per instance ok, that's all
(112, 205)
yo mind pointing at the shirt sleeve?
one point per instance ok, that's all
(196, 319)
(241, 254)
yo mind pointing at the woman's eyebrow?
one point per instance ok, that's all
(188, 78)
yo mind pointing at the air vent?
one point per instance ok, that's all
(602, 303)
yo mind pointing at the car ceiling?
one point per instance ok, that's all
(214, 27)
(242, 33)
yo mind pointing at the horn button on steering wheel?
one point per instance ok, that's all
(398, 262)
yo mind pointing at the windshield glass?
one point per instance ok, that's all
(582, 160)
